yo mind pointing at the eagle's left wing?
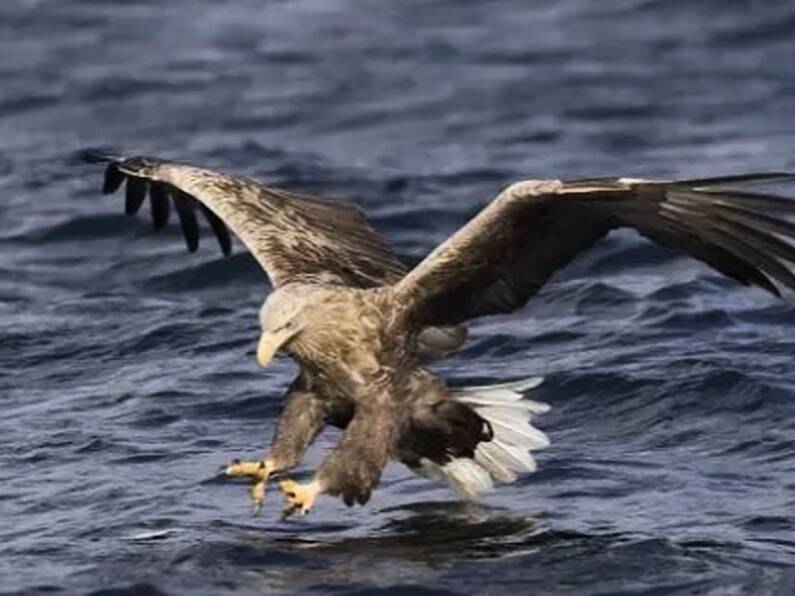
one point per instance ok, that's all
(501, 258)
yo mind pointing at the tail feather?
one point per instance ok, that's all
(534, 407)
(516, 458)
(468, 478)
(514, 387)
(464, 475)
(517, 433)
(507, 454)
(491, 458)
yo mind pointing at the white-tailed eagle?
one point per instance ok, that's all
(361, 326)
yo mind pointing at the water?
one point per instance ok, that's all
(127, 374)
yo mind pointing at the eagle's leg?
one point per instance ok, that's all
(354, 467)
(302, 419)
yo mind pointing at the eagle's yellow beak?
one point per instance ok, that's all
(269, 344)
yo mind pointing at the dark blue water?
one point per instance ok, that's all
(127, 374)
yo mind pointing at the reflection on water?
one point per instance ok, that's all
(434, 533)
(411, 546)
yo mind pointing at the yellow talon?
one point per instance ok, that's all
(258, 471)
(257, 494)
(298, 498)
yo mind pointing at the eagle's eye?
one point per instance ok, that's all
(285, 327)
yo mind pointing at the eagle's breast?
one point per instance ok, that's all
(347, 341)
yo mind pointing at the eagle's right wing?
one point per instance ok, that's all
(294, 237)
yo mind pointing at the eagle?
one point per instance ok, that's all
(362, 327)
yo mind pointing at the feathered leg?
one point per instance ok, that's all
(354, 467)
(301, 421)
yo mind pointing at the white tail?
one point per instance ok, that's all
(507, 454)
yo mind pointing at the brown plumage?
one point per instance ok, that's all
(360, 325)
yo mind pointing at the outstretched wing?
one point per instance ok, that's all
(294, 237)
(502, 257)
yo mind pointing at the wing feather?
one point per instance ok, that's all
(294, 237)
(501, 258)
(135, 194)
(219, 229)
(160, 203)
(113, 179)
(186, 213)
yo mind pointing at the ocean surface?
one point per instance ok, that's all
(127, 369)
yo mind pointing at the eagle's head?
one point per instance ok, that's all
(282, 317)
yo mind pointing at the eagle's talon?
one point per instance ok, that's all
(298, 498)
(258, 495)
(258, 472)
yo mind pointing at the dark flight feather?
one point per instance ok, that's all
(184, 206)
(737, 179)
(160, 203)
(219, 229)
(113, 179)
(681, 236)
(135, 194)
